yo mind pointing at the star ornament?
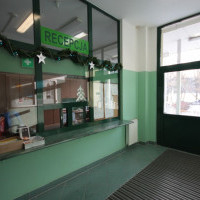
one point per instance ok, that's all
(41, 58)
(91, 65)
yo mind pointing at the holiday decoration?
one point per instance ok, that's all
(80, 94)
(15, 53)
(41, 58)
(91, 65)
(57, 55)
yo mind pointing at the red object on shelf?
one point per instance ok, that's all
(2, 125)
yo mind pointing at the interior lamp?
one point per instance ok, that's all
(26, 24)
(80, 35)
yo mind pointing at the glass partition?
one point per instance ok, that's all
(65, 84)
(105, 96)
(104, 37)
(18, 104)
(17, 20)
(68, 27)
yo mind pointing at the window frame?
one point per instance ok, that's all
(39, 73)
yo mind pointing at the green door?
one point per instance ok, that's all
(178, 85)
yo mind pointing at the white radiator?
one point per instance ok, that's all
(132, 132)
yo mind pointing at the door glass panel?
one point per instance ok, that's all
(170, 93)
(182, 93)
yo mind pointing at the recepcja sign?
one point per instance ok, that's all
(62, 40)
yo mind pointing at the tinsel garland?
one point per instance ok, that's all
(57, 55)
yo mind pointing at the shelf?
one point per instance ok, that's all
(56, 139)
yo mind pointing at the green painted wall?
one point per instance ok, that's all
(25, 173)
(12, 64)
(139, 101)
(64, 67)
(129, 95)
(147, 106)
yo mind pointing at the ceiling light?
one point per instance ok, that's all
(70, 25)
(26, 24)
(80, 35)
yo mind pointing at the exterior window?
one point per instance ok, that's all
(182, 93)
(180, 42)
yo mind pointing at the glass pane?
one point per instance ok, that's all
(51, 119)
(64, 88)
(190, 93)
(111, 99)
(104, 37)
(98, 101)
(64, 82)
(17, 20)
(170, 102)
(77, 115)
(105, 98)
(70, 19)
(181, 42)
(182, 93)
(18, 105)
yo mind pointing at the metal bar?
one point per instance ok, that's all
(38, 67)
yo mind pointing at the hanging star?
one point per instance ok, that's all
(91, 65)
(41, 58)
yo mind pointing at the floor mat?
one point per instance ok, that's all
(174, 175)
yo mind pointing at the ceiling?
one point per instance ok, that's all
(149, 12)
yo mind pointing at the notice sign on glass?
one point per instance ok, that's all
(62, 40)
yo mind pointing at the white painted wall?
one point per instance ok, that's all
(129, 51)
(147, 48)
(138, 47)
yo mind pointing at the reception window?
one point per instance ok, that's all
(59, 73)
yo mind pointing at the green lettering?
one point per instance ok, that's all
(66, 41)
(75, 44)
(53, 36)
(47, 36)
(60, 41)
(85, 47)
(71, 42)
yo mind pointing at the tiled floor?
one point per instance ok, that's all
(102, 180)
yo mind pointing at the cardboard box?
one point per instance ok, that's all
(10, 144)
